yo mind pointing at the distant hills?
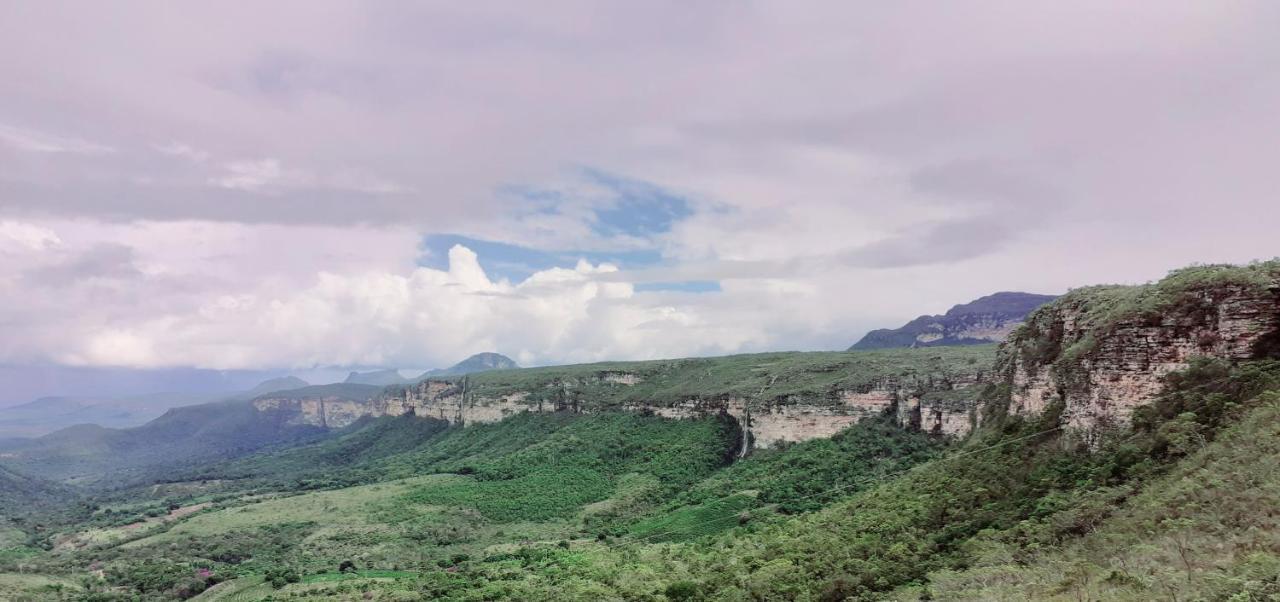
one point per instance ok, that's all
(379, 378)
(985, 320)
(82, 450)
(49, 414)
(479, 362)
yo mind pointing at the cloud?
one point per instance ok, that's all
(178, 149)
(105, 260)
(256, 175)
(268, 175)
(27, 236)
(41, 142)
(832, 168)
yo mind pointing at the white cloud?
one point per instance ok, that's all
(257, 175)
(974, 147)
(271, 176)
(27, 236)
(178, 149)
(42, 142)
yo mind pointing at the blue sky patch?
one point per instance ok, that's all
(636, 209)
(686, 286)
(641, 209)
(515, 262)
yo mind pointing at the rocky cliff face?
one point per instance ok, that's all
(1096, 354)
(939, 401)
(1104, 351)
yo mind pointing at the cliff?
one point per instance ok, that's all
(985, 320)
(1097, 353)
(1094, 354)
(777, 397)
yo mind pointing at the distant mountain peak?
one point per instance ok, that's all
(480, 362)
(380, 378)
(987, 319)
(272, 385)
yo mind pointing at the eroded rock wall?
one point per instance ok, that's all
(788, 419)
(1100, 374)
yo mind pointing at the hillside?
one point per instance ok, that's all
(48, 414)
(777, 397)
(1123, 446)
(22, 494)
(380, 378)
(94, 455)
(480, 362)
(985, 320)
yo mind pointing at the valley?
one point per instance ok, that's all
(1119, 445)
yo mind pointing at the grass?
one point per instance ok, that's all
(761, 377)
(590, 452)
(692, 522)
(356, 575)
(1206, 530)
(16, 587)
(347, 508)
(244, 589)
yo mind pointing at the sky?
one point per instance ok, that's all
(290, 186)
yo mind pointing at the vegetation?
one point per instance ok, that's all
(761, 377)
(605, 505)
(1186, 295)
(86, 454)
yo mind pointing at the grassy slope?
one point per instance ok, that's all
(1015, 490)
(1206, 530)
(760, 376)
(538, 479)
(92, 455)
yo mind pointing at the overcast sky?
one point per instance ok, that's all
(248, 185)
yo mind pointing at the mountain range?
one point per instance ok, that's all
(985, 320)
(479, 362)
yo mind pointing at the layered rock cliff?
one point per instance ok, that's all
(780, 397)
(1092, 355)
(1098, 353)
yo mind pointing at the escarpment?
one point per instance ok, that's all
(777, 397)
(1098, 353)
(1095, 354)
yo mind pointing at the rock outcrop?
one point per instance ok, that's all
(1103, 351)
(939, 400)
(1095, 354)
(986, 320)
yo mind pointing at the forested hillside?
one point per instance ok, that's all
(1054, 496)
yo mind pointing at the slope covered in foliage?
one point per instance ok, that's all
(759, 376)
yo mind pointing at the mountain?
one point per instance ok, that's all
(480, 362)
(92, 455)
(1122, 445)
(283, 383)
(48, 414)
(985, 320)
(379, 378)
(22, 494)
